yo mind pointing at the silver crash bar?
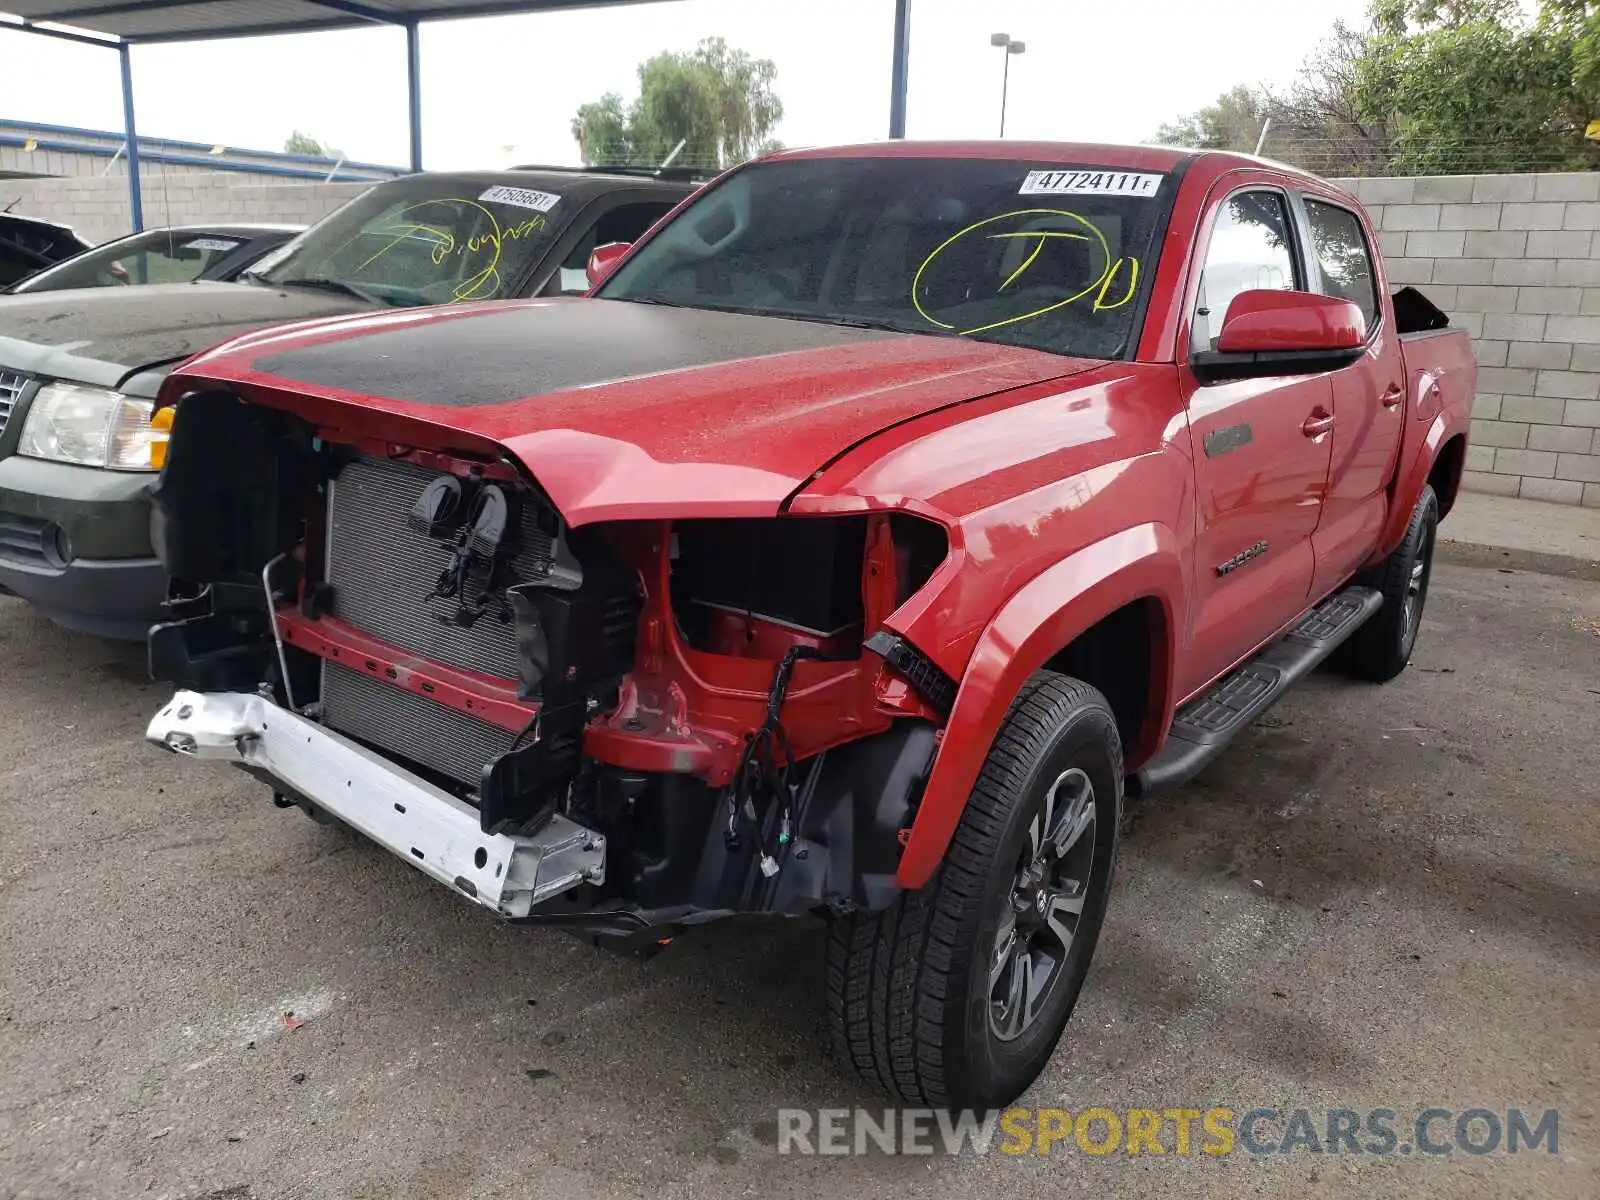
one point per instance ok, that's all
(422, 824)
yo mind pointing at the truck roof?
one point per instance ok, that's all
(1108, 154)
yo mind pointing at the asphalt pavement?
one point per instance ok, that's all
(1380, 898)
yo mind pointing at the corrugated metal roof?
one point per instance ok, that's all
(190, 20)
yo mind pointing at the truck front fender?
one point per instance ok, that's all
(1036, 623)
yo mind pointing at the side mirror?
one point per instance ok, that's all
(602, 259)
(1283, 333)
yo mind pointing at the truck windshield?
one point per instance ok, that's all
(1049, 257)
(423, 240)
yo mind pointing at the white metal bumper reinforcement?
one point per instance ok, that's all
(422, 824)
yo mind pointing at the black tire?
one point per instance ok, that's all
(911, 989)
(1380, 649)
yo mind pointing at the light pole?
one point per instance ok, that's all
(1006, 43)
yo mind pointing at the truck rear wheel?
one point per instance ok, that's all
(956, 995)
(1380, 649)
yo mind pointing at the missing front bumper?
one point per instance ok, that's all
(422, 824)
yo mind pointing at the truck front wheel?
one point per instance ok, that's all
(956, 995)
(1380, 649)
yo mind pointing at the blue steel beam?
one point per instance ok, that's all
(135, 198)
(414, 90)
(901, 68)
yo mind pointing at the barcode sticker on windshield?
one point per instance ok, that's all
(1090, 183)
(207, 243)
(522, 198)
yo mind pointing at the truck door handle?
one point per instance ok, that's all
(1318, 423)
(1393, 395)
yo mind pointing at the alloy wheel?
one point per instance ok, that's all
(1043, 906)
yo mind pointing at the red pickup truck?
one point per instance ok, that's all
(883, 518)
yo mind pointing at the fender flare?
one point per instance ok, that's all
(1411, 474)
(1041, 618)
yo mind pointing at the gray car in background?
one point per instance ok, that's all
(178, 254)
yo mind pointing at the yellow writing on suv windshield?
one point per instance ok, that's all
(476, 257)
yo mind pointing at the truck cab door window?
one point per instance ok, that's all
(1249, 249)
(1342, 253)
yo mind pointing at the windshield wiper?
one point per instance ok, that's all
(852, 322)
(324, 284)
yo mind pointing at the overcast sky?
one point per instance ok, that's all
(503, 89)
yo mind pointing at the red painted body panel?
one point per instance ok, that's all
(731, 439)
(1263, 321)
(1042, 617)
(1023, 482)
(1068, 489)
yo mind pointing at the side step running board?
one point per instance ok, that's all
(1204, 727)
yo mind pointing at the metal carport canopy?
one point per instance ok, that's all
(119, 24)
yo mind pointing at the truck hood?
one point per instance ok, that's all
(105, 336)
(620, 410)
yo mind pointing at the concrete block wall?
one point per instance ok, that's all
(97, 207)
(1515, 259)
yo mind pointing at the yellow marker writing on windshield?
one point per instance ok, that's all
(485, 281)
(1091, 234)
(1100, 304)
(1040, 235)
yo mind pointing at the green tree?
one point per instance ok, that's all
(1465, 86)
(1579, 22)
(1231, 122)
(1314, 122)
(719, 101)
(303, 143)
(601, 129)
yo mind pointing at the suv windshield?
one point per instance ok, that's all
(423, 240)
(1053, 258)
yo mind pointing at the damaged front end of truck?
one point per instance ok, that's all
(626, 726)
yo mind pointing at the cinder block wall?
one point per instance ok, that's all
(1515, 259)
(97, 207)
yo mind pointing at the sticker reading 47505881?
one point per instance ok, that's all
(1090, 183)
(522, 197)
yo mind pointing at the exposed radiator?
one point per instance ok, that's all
(382, 570)
(408, 725)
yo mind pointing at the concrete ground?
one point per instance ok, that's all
(1503, 531)
(1380, 898)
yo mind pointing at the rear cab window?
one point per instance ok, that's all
(1340, 246)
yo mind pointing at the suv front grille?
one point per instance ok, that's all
(11, 385)
(23, 537)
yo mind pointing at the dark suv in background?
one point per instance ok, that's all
(80, 445)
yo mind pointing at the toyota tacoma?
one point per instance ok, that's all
(884, 518)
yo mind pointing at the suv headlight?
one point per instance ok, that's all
(95, 428)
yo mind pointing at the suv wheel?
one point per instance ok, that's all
(957, 994)
(1380, 649)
